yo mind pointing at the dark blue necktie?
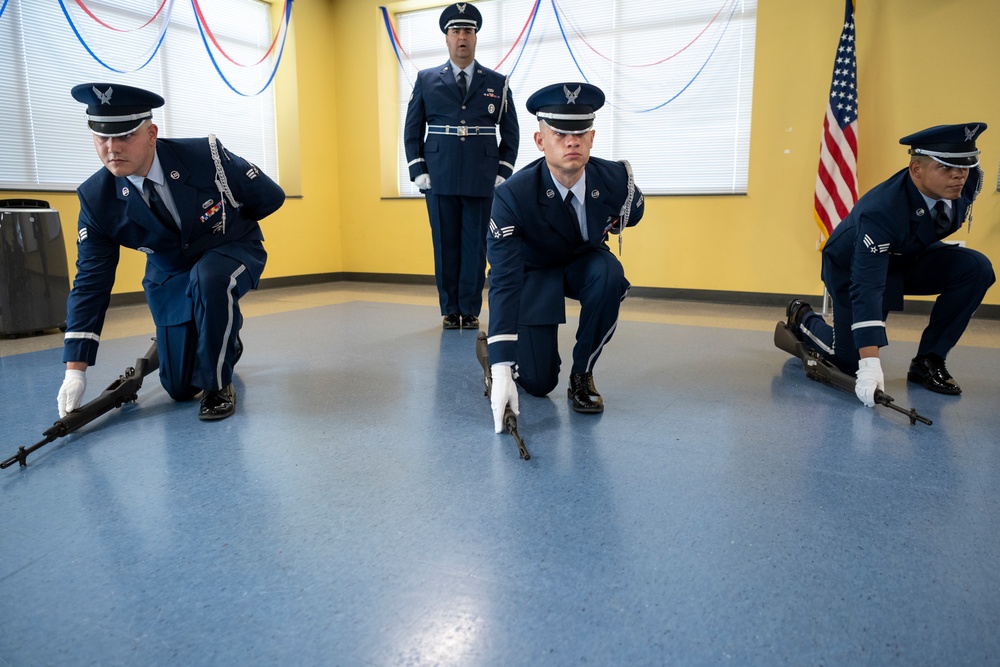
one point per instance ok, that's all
(462, 87)
(157, 206)
(942, 220)
(572, 214)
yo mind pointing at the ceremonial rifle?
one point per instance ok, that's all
(822, 370)
(509, 418)
(123, 390)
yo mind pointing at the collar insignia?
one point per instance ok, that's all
(550, 193)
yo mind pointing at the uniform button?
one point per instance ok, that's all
(463, 109)
(187, 245)
(462, 121)
(462, 139)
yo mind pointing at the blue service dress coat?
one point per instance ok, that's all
(114, 215)
(461, 165)
(869, 253)
(532, 239)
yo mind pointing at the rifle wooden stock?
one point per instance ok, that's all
(123, 390)
(820, 369)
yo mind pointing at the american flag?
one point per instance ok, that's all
(837, 178)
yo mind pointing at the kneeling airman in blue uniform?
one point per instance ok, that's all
(192, 207)
(548, 241)
(891, 245)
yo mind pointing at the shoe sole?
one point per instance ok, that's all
(217, 417)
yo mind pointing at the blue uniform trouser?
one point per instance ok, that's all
(597, 280)
(458, 230)
(960, 276)
(199, 354)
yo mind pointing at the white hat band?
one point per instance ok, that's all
(566, 116)
(120, 119)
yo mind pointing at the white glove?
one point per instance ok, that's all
(423, 182)
(71, 392)
(500, 179)
(504, 391)
(869, 379)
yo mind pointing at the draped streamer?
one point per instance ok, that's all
(203, 28)
(109, 27)
(201, 19)
(582, 38)
(153, 49)
(397, 48)
(528, 25)
(3, 7)
(561, 18)
(281, 50)
(678, 94)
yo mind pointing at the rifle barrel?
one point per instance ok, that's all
(885, 399)
(123, 390)
(510, 421)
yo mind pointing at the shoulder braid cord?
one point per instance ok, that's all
(503, 98)
(627, 206)
(979, 188)
(221, 182)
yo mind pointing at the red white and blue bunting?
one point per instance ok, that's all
(160, 22)
(577, 42)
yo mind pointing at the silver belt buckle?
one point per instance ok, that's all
(462, 130)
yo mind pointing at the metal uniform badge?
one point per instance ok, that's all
(124, 192)
(175, 175)
(594, 194)
(550, 193)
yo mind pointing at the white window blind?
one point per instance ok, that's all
(45, 139)
(678, 77)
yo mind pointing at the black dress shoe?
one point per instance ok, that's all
(453, 321)
(470, 322)
(794, 313)
(239, 350)
(931, 372)
(218, 404)
(583, 393)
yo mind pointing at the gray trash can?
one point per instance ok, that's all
(34, 277)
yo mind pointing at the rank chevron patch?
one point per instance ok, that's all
(875, 248)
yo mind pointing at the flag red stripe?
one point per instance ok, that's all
(832, 194)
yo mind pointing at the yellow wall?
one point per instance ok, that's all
(762, 242)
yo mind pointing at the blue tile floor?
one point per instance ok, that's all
(359, 510)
